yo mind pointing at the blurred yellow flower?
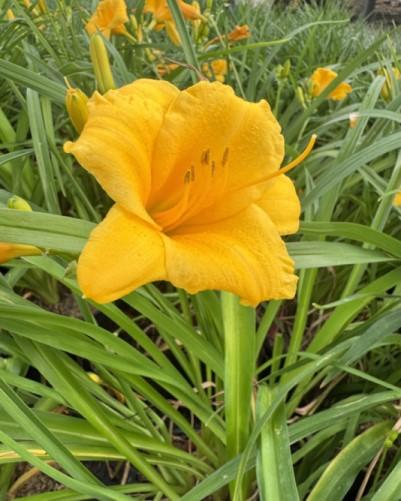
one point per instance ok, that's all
(217, 69)
(397, 199)
(161, 11)
(10, 16)
(200, 199)
(239, 33)
(322, 77)
(166, 68)
(109, 18)
(387, 88)
(164, 18)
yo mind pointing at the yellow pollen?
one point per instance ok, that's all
(300, 158)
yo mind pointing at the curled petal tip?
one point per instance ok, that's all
(68, 147)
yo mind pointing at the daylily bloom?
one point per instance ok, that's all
(10, 251)
(217, 69)
(164, 18)
(109, 18)
(239, 33)
(200, 199)
(322, 77)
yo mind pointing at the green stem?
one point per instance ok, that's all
(239, 371)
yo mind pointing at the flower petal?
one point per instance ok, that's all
(225, 144)
(123, 253)
(243, 254)
(117, 141)
(281, 202)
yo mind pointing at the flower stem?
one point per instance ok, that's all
(239, 335)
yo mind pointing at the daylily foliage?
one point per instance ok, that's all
(200, 200)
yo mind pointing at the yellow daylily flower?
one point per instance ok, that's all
(217, 69)
(109, 18)
(239, 33)
(200, 199)
(322, 77)
(161, 11)
(164, 18)
(388, 84)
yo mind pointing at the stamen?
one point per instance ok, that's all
(192, 173)
(299, 158)
(225, 157)
(187, 177)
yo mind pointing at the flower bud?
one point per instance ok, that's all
(300, 96)
(76, 102)
(18, 203)
(101, 63)
(43, 6)
(286, 69)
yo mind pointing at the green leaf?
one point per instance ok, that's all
(31, 80)
(341, 473)
(390, 490)
(275, 472)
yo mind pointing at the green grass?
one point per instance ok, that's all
(323, 370)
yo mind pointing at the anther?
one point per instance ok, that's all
(213, 167)
(225, 157)
(192, 173)
(187, 177)
(205, 157)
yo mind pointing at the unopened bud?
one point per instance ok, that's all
(43, 6)
(76, 102)
(300, 96)
(18, 203)
(101, 63)
(286, 69)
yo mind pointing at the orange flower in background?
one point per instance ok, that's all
(322, 77)
(165, 69)
(161, 11)
(217, 69)
(109, 18)
(164, 18)
(239, 33)
(200, 199)
(11, 251)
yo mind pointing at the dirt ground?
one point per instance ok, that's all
(389, 10)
